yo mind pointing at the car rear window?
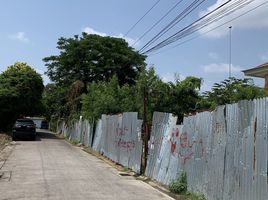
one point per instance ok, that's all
(24, 121)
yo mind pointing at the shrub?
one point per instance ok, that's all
(179, 185)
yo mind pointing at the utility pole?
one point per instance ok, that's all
(145, 128)
(230, 51)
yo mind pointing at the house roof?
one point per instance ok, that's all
(260, 71)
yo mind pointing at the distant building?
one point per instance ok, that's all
(37, 121)
(260, 71)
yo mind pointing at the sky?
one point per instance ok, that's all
(30, 30)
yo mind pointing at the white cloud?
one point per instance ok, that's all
(92, 31)
(19, 36)
(264, 57)
(255, 19)
(213, 55)
(131, 41)
(221, 68)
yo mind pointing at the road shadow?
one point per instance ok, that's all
(45, 134)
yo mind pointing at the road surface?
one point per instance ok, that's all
(51, 168)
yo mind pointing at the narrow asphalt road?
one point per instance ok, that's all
(50, 168)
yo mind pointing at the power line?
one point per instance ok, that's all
(201, 23)
(175, 21)
(141, 18)
(185, 28)
(155, 24)
(201, 34)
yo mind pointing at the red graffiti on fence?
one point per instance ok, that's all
(121, 131)
(125, 144)
(185, 145)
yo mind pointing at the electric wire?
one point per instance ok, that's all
(201, 23)
(175, 21)
(189, 25)
(155, 24)
(201, 34)
(132, 27)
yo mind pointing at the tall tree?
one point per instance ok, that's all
(93, 58)
(230, 91)
(21, 90)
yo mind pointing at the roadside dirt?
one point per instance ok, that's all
(5, 148)
(123, 170)
(4, 140)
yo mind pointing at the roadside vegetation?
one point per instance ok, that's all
(21, 89)
(179, 186)
(94, 75)
(4, 139)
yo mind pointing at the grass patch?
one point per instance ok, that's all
(4, 139)
(74, 142)
(125, 169)
(194, 196)
(179, 186)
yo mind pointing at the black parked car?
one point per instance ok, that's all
(24, 128)
(44, 125)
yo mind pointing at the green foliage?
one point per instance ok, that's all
(111, 98)
(90, 60)
(179, 186)
(230, 91)
(177, 98)
(107, 98)
(194, 196)
(55, 101)
(74, 142)
(93, 58)
(21, 90)
(125, 169)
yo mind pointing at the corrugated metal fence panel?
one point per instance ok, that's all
(260, 150)
(87, 133)
(194, 148)
(160, 125)
(128, 141)
(224, 152)
(98, 137)
(80, 131)
(120, 139)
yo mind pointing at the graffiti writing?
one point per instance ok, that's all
(121, 131)
(185, 150)
(125, 144)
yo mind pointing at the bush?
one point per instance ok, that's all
(179, 185)
(195, 196)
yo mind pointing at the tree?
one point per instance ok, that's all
(55, 101)
(21, 90)
(93, 58)
(108, 98)
(230, 91)
(178, 98)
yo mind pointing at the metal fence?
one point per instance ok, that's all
(80, 131)
(223, 152)
(116, 136)
(119, 138)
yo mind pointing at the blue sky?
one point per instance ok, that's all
(30, 30)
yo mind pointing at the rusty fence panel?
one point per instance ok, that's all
(223, 152)
(119, 138)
